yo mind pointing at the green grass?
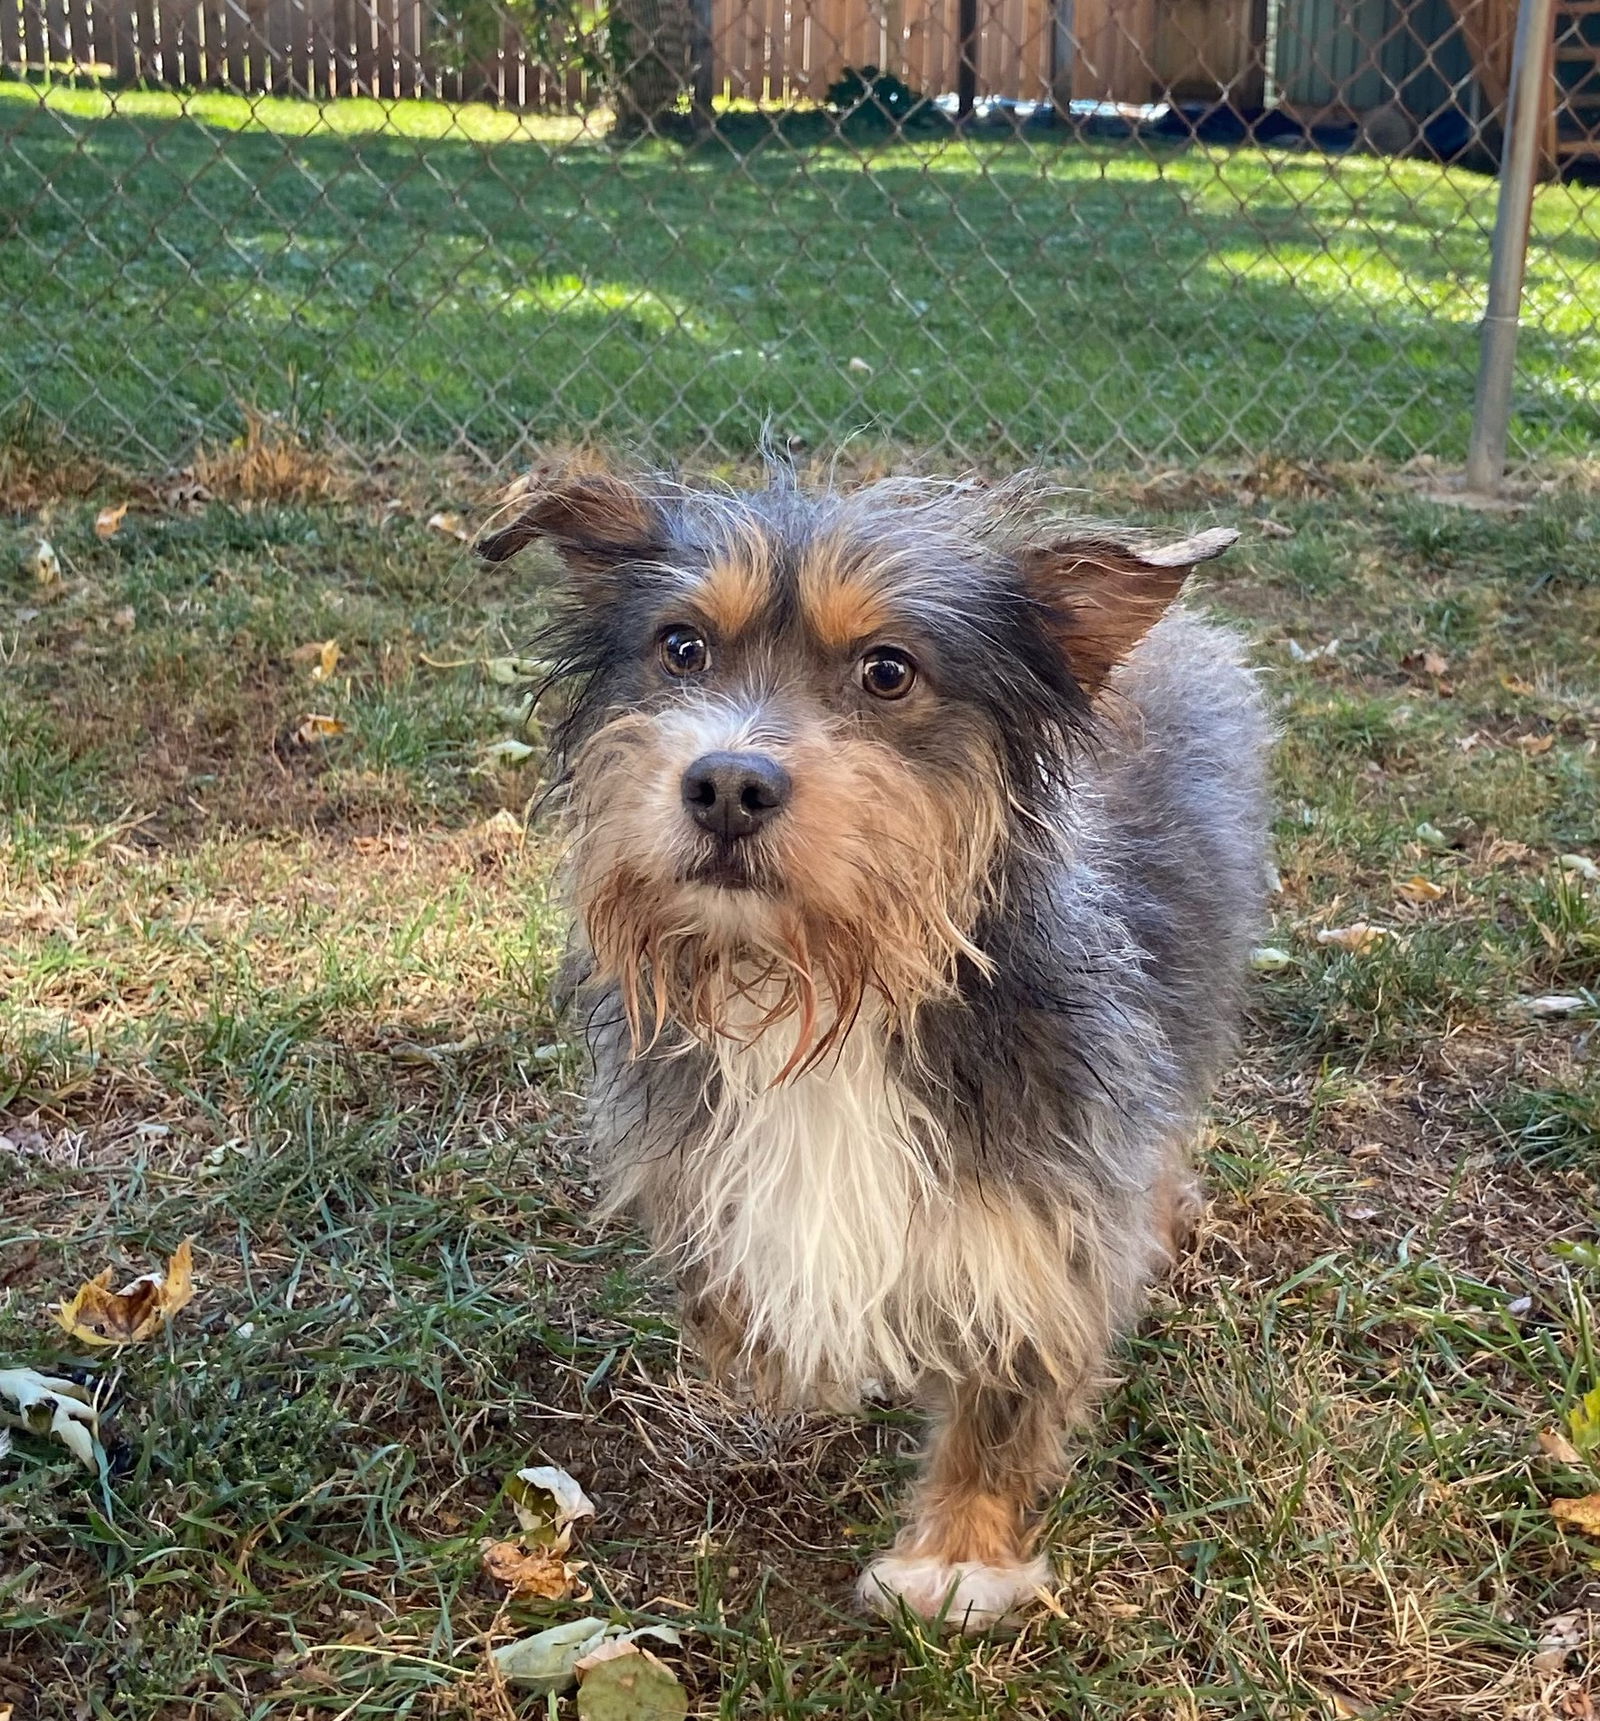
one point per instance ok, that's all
(449, 277)
(294, 1000)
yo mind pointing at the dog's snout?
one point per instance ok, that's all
(734, 794)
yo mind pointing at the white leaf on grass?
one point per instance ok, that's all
(1316, 654)
(508, 753)
(1558, 1638)
(548, 1660)
(1555, 1004)
(43, 1404)
(548, 1502)
(1270, 960)
(1581, 866)
(510, 671)
(45, 563)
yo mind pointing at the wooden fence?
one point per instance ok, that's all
(776, 50)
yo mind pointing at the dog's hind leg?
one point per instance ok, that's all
(968, 1554)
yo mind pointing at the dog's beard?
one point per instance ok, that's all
(870, 891)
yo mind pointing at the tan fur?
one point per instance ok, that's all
(737, 589)
(881, 906)
(840, 596)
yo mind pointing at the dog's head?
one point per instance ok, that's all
(804, 732)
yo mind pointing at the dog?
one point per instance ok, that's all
(918, 845)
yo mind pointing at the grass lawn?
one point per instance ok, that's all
(431, 276)
(291, 997)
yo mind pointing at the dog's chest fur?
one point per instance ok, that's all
(822, 1214)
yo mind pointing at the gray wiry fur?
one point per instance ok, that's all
(970, 1203)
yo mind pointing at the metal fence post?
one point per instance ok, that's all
(1519, 167)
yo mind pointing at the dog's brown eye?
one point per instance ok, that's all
(887, 673)
(683, 651)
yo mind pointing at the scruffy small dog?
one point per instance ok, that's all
(918, 845)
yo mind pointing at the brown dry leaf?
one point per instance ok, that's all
(1515, 684)
(1581, 1514)
(1358, 938)
(1427, 659)
(449, 524)
(537, 1576)
(1503, 849)
(1555, 1445)
(108, 522)
(318, 727)
(124, 620)
(1534, 745)
(97, 1315)
(1418, 889)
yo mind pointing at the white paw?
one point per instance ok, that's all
(968, 1594)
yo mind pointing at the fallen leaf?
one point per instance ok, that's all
(323, 656)
(548, 1660)
(97, 1315)
(44, 1405)
(508, 752)
(629, 1684)
(1534, 745)
(124, 620)
(108, 522)
(1358, 938)
(45, 564)
(449, 524)
(1558, 1638)
(1270, 960)
(1316, 654)
(505, 825)
(1432, 836)
(1581, 1514)
(318, 727)
(1426, 659)
(1418, 889)
(509, 671)
(548, 1502)
(1554, 1444)
(859, 366)
(1515, 684)
(1581, 866)
(1554, 1004)
(1503, 849)
(537, 1576)
(1583, 1422)
(1274, 529)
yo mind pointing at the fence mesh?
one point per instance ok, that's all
(1109, 231)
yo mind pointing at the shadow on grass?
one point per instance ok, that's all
(1015, 297)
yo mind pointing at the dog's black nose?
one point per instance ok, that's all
(732, 794)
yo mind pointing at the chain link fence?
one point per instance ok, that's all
(1103, 231)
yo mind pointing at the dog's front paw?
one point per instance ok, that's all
(967, 1594)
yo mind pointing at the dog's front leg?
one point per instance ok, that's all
(968, 1553)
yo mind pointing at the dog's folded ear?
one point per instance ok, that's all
(1102, 596)
(593, 517)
